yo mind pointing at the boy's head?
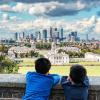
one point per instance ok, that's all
(42, 65)
(77, 73)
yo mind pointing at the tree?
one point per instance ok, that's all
(45, 46)
(22, 55)
(3, 48)
(2, 58)
(28, 45)
(8, 66)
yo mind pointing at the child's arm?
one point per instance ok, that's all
(64, 80)
(56, 78)
(86, 81)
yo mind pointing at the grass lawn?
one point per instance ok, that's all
(64, 70)
(93, 68)
(30, 62)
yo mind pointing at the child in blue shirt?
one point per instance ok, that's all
(76, 84)
(40, 83)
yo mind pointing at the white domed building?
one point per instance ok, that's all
(57, 58)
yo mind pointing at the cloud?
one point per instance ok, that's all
(5, 8)
(71, 7)
(21, 7)
(38, 1)
(5, 17)
(14, 18)
(61, 11)
(37, 9)
(87, 25)
(51, 7)
(56, 8)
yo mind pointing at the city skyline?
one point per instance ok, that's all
(82, 16)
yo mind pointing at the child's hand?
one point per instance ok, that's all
(68, 78)
(47, 73)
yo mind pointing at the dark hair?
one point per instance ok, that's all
(42, 65)
(78, 73)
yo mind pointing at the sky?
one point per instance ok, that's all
(82, 16)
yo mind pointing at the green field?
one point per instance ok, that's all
(93, 68)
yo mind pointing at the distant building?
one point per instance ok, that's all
(18, 50)
(54, 34)
(31, 37)
(57, 58)
(89, 56)
(33, 44)
(38, 36)
(2, 54)
(50, 34)
(45, 33)
(23, 35)
(71, 49)
(7, 42)
(16, 36)
(62, 34)
(73, 37)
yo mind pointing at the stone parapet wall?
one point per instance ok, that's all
(12, 87)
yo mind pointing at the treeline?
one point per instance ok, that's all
(72, 54)
(46, 46)
(28, 55)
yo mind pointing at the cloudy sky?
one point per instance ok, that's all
(29, 15)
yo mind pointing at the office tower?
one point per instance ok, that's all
(23, 35)
(55, 29)
(69, 37)
(16, 36)
(28, 37)
(58, 35)
(38, 35)
(87, 39)
(61, 37)
(72, 39)
(55, 34)
(51, 34)
(75, 33)
(31, 36)
(45, 35)
(74, 36)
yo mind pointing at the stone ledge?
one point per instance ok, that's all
(12, 80)
(12, 87)
(10, 99)
(18, 80)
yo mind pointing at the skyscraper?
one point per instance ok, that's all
(38, 35)
(45, 35)
(16, 36)
(61, 37)
(51, 34)
(31, 36)
(87, 38)
(55, 34)
(23, 35)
